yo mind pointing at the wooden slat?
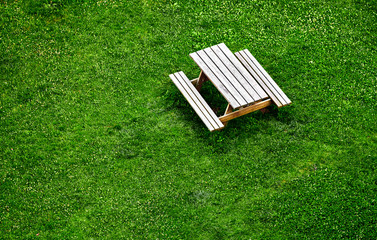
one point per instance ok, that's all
(273, 93)
(231, 90)
(207, 109)
(196, 101)
(191, 101)
(228, 75)
(250, 95)
(245, 110)
(282, 95)
(213, 78)
(243, 71)
(245, 62)
(228, 110)
(201, 79)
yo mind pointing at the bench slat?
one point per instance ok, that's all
(196, 101)
(274, 91)
(218, 78)
(240, 56)
(243, 71)
(206, 109)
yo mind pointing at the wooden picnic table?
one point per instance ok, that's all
(238, 77)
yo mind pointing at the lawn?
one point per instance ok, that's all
(96, 142)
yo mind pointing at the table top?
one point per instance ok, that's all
(229, 76)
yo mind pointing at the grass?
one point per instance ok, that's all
(97, 142)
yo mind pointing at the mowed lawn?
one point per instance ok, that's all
(96, 142)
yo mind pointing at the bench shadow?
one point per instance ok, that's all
(240, 128)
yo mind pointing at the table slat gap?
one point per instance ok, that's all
(213, 78)
(247, 90)
(262, 94)
(221, 77)
(268, 77)
(229, 76)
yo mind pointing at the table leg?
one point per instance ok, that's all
(228, 110)
(245, 110)
(201, 79)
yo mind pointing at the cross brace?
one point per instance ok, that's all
(242, 111)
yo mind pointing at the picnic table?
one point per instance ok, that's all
(239, 77)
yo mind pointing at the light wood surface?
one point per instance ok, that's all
(263, 78)
(229, 76)
(262, 94)
(222, 78)
(228, 110)
(201, 79)
(239, 77)
(196, 101)
(250, 95)
(245, 110)
(214, 79)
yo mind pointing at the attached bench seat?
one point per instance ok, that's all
(263, 78)
(196, 101)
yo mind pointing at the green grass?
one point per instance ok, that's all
(97, 142)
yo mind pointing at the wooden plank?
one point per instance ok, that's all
(236, 73)
(222, 78)
(214, 79)
(228, 110)
(228, 75)
(191, 101)
(196, 101)
(201, 79)
(246, 110)
(277, 98)
(262, 94)
(206, 108)
(195, 80)
(283, 96)
(245, 62)
(200, 102)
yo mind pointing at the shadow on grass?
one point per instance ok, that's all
(239, 129)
